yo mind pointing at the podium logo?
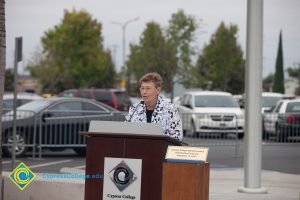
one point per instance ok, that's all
(22, 176)
(122, 176)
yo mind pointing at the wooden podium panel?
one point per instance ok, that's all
(182, 181)
(151, 149)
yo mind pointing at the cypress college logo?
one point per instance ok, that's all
(122, 176)
(22, 176)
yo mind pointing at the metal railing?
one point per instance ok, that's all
(26, 123)
(56, 129)
(281, 128)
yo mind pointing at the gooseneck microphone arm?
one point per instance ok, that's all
(141, 103)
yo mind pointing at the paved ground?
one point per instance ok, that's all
(224, 185)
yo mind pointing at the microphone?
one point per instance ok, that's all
(141, 103)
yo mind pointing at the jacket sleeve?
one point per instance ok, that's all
(174, 128)
(130, 113)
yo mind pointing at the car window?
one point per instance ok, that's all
(189, 100)
(23, 101)
(276, 110)
(269, 101)
(67, 94)
(8, 104)
(215, 101)
(293, 107)
(104, 96)
(184, 100)
(122, 97)
(67, 106)
(66, 109)
(84, 94)
(91, 107)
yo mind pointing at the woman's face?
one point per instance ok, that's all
(149, 92)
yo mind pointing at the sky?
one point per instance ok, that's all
(30, 19)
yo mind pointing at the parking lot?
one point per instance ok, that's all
(282, 158)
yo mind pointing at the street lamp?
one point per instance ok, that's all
(123, 25)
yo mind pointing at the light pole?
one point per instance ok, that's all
(124, 25)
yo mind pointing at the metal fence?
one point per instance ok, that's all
(56, 130)
(25, 131)
(52, 129)
(281, 128)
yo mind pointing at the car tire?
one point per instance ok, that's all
(241, 135)
(21, 149)
(81, 151)
(280, 136)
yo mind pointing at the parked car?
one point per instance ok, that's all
(117, 99)
(269, 99)
(283, 121)
(22, 98)
(54, 122)
(211, 112)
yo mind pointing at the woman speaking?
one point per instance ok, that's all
(154, 109)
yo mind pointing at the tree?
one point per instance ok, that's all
(221, 65)
(153, 53)
(2, 77)
(180, 36)
(278, 85)
(168, 53)
(73, 55)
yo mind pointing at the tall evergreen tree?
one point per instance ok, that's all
(278, 85)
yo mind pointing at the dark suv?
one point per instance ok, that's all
(117, 99)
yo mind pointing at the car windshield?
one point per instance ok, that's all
(269, 101)
(215, 101)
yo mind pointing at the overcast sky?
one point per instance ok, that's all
(31, 18)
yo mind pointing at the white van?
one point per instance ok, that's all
(211, 112)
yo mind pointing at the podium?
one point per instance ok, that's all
(150, 148)
(185, 181)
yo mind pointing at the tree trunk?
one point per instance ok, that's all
(2, 76)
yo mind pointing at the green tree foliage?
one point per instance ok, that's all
(168, 53)
(181, 35)
(153, 53)
(294, 72)
(278, 85)
(221, 65)
(73, 55)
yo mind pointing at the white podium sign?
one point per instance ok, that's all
(122, 178)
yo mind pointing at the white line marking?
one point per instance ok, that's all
(50, 163)
(8, 161)
(80, 167)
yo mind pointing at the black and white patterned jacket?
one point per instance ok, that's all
(165, 113)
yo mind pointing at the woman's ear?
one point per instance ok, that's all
(158, 90)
